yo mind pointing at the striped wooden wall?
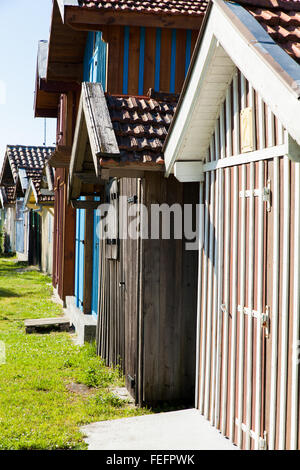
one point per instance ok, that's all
(249, 265)
(140, 58)
(226, 140)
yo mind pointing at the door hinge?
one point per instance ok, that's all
(264, 317)
(265, 193)
(111, 241)
(262, 442)
(132, 199)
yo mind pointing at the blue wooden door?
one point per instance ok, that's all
(95, 59)
(96, 253)
(20, 226)
(79, 260)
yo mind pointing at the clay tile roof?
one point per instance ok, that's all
(29, 158)
(281, 20)
(159, 7)
(10, 192)
(141, 124)
(37, 180)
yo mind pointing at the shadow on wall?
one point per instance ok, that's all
(7, 243)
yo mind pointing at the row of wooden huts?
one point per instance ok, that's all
(188, 103)
(27, 204)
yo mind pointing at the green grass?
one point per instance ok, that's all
(37, 411)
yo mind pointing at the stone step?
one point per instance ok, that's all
(59, 323)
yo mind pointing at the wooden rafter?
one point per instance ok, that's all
(85, 19)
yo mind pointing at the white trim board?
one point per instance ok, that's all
(66, 3)
(252, 51)
(264, 154)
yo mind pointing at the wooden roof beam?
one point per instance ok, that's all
(85, 19)
(55, 86)
(61, 71)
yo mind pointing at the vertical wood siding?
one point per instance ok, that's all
(248, 370)
(146, 322)
(140, 58)
(63, 246)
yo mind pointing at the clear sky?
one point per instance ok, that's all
(22, 24)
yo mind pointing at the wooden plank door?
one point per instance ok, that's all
(79, 261)
(130, 289)
(234, 315)
(252, 324)
(96, 261)
(20, 225)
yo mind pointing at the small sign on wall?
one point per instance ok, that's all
(247, 130)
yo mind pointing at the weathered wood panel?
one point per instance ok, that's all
(143, 58)
(147, 305)
(64, 239)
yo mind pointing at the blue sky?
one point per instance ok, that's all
(22, 24)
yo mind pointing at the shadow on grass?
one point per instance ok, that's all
(10, 268)
(8, 293)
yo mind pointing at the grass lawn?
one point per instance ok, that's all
(37, 410)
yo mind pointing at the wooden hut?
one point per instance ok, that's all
(39, 199)
(128, 52)
(145, 323)
(237, 129)
(8, 218)
(22, 164)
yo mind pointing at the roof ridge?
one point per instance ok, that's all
(158, 7)
(31, 146)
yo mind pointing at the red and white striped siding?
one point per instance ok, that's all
(248, 384)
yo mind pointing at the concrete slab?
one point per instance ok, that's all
(85, 325)
(37, 324)
(175, 430)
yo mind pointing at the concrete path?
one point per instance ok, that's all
(175, 430)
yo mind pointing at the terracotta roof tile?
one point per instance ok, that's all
(10, 192)
(33, 160)
(29, 158)
(281, 20)
(141, 125)
(159, 7)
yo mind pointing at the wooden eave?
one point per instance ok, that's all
(6, 178)
(61, 157)
(230, 37)
(94, 136)
(47, 92)
(65, 51)
(45, 104)
(95, 152)
(19, 190)
(89, 19)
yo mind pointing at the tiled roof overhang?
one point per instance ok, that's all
(281, 20)
(118, 132)
(231, 33)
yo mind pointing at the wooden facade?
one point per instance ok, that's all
(248, 328)
(63, 238)
(248, 384)
(140, 58)
(131, 286)
(146, 323)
